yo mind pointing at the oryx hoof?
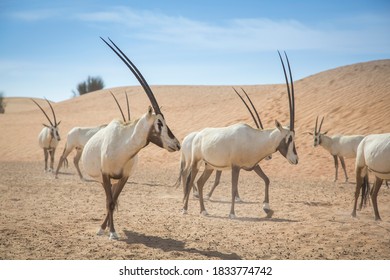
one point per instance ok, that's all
(267, 210)
(238, 199)
(184, 211)
(204, 213)
(196, 194)
(232, 216)
(207, 197)
(269, 213)
(113, 236)
(100, 232)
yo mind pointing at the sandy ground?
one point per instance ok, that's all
(46, 218)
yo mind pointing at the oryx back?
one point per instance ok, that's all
(374, 152)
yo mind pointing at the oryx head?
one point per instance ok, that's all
(317, 133)
(287, 145)
(159, 133)
(53, 127)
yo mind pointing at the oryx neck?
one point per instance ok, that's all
(326, 142)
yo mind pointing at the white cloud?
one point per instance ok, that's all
(257, 34)
(35, 15)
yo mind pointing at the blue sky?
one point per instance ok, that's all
(48, 47)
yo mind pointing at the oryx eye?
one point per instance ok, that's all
(159, 124)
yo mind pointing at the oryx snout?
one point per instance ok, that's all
(172, 144)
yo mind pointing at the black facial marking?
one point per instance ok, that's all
(159, 124)
(154, 136)
(283, 148)
(170, 134)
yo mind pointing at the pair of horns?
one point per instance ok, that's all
(315, 129)
(290, 92)
(43, 111)
(136, 73)
(258, 121)
(120, 109)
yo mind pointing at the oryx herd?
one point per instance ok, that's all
(110, 151)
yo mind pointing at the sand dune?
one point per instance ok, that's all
(354, 99)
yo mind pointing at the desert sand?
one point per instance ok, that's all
(46, 218)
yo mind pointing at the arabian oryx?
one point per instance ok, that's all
(186, 150)
(373, 154)
(239, 147)
(49, 137)
(112, 152)
(338, 146)
(78, 136)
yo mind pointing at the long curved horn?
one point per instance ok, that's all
(253, 106)
(291, 101)
(128, 107)
(119, 106)
(136, 73)
(315, 128)
(52, 110)
(321, 124)
(292, 91)
(242, 99)
(43, 112)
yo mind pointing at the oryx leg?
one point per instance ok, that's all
(343, 166)
(377, 185)
(51, 152)
(359, 181)
(235, 176)
(76, 160)
(216, 183)
(202, 180)
(365, 192)
(189, 184)
(46, 154)
(336, 166)
(64, 155)
(116, 190)
(266, 207)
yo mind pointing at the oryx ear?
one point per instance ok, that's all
(325, 132)
(278, 125)
(150, 110)
(45, 125)
(311, 133)
(58, 123)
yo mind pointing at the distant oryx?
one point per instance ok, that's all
(373, 154)
(338, 146)
(186, 151)
(78, 136)
(112, 152)
(49, 136)
(239, 147)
